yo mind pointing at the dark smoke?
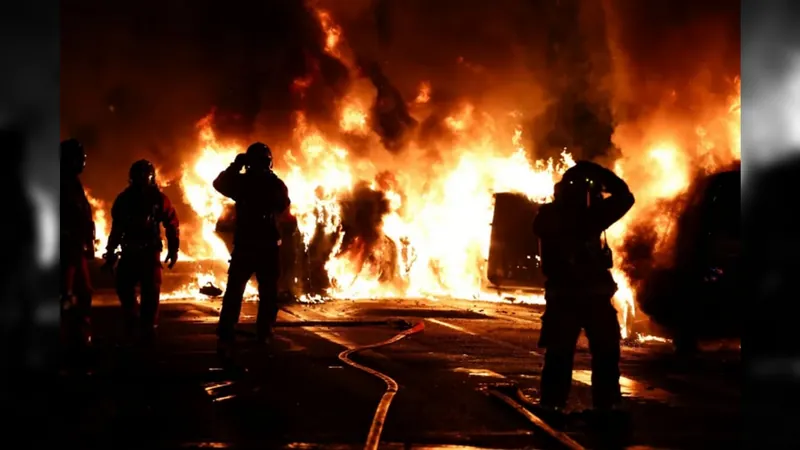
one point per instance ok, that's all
(576, 69)
(363, 210)
(677, 55)
(135, 78)
(243, 58)
(390, 117)
(648, 262)
(330, 79)
(639, 250)
(136, 90)
(363, 242)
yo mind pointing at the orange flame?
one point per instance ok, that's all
(424, 93)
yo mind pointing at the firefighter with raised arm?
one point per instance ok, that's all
(576, 261)
(136, 219)
(261, 197)
(77, 248)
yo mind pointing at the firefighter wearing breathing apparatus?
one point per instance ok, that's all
(136, 217)
(576, 261)
(261, 197)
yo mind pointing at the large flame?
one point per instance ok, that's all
(440, 210)
(443, 218)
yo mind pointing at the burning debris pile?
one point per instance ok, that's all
(392, 187)
(362, 240)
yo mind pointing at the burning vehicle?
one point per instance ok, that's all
(358, 238)
(514, 260)
(698, 295)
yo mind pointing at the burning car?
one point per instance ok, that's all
(514, 260)
(698, 296)
(303, 268)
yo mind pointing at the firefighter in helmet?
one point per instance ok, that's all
(77, 247)
(260, 197)
(579, 288)
(136, 217)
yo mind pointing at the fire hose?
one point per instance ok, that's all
(374, 436)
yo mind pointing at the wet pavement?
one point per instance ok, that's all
(298, 393)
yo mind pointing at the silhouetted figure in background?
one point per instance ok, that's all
(579, 287)
(136, 218)
(77, 234)
(260, 198)
(21, 335)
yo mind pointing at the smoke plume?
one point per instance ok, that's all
(363, 210)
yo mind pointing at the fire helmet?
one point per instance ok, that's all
(142, 173)
(576, 187)
(259, 156)
(73, 156)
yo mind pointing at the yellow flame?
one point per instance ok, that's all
(101, 226)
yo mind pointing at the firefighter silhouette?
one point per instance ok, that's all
(260, 197)
(136, 217)
(579, 288)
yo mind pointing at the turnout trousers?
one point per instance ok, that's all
(142, 268)
(264, 262)
(564, 318)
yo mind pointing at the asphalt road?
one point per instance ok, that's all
(300, 394)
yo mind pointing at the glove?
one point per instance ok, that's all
(240, 161)
(171, 259)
